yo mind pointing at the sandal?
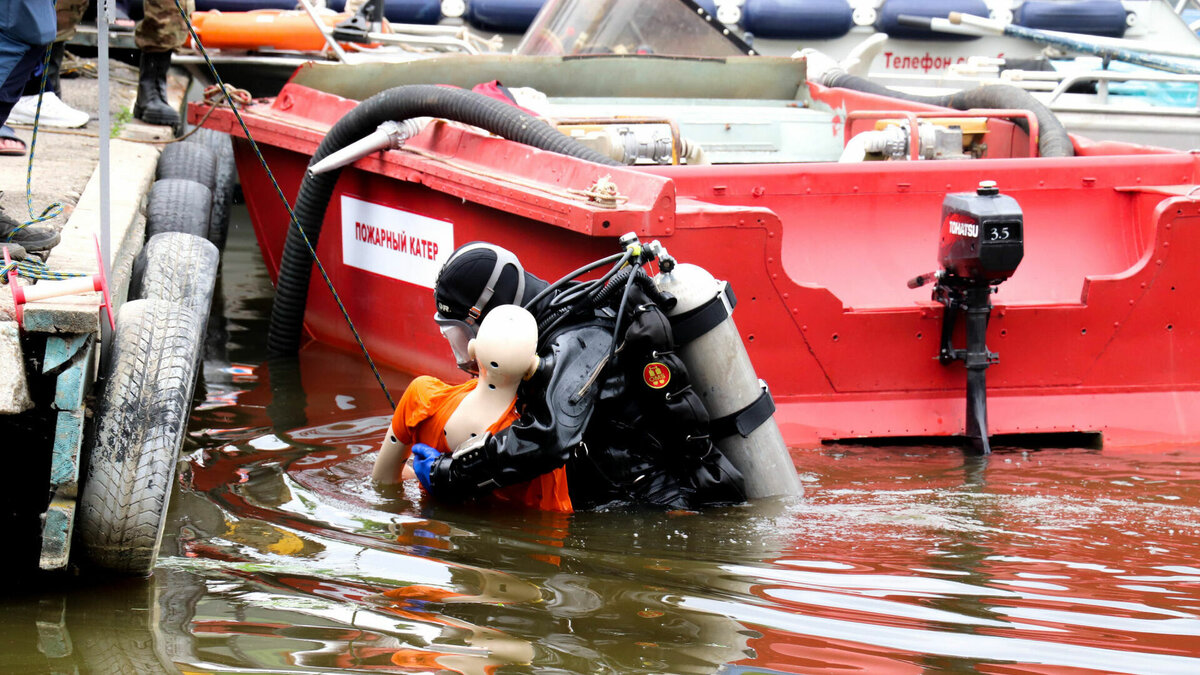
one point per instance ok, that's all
(119, 20)
(10, 144)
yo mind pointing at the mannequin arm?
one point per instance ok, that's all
(391, 461)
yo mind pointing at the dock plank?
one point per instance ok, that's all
(58, 522)
(64, 458)
(76, 378)
(60, 350)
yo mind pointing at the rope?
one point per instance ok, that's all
(55, 208)
(36, 269)
(279, 191)
(216, 96)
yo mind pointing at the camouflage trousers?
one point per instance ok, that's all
(162, 29)
(69, 14)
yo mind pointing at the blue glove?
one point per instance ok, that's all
(423, 459)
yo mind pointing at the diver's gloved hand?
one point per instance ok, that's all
(423, 458)
(469, 473)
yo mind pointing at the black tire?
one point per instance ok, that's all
(178, 205)
(189, 161)
(221, 146)
(177, 267)
(140, 429)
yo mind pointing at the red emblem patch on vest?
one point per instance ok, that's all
(657, 375)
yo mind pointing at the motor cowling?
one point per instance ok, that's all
(981, 238)
(738, 402)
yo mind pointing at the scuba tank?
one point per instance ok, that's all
(740, 405)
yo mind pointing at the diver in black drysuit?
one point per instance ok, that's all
(621, 439)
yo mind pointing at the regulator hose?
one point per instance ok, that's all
(602, 292)
(398, 103)
(1053, 140)
(584, 298)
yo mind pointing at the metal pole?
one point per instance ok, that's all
(102, 13)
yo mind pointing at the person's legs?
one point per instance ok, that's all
(17, 61)
(55, 112)
(161, 31)
(70, 13)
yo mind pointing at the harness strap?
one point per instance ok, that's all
(691, 325)
(504, 258)
(747, 419)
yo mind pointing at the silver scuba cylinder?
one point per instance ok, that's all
(722, 374)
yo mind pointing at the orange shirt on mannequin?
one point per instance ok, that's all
(421, 417)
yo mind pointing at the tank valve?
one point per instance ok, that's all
(665, 262)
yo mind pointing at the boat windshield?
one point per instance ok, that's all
(663, 27)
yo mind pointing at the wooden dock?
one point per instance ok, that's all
(49, 362)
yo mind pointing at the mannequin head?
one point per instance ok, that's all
(506, 347)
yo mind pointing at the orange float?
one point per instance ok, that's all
(262, 28)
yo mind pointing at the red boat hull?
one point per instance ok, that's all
(1095, 331)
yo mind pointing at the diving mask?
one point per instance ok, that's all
(458, 333)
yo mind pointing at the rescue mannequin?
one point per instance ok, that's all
(442, 418)
(505, 352)
(589, 411)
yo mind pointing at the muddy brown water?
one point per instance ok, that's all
(280, 557)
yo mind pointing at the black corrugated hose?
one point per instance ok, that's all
(399, 103)
(1053, 140)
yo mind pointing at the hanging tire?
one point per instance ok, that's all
(178, 205)
(177, 267)
(189, 161)
(140, 429)
(221, 146)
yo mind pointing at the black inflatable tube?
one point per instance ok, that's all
(1053, 140)
(399, 103)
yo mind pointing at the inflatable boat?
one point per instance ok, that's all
(839, 27)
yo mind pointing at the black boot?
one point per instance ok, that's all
(152, 106)
(39, 237)
(53, 68)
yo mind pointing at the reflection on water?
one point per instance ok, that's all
(280, 557)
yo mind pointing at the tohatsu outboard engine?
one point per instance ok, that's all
(980, 246)
(709, 344)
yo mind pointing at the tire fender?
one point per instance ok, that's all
(139, 431)
(178, 205)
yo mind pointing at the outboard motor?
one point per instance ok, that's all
(980, 246)
(740, 404)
